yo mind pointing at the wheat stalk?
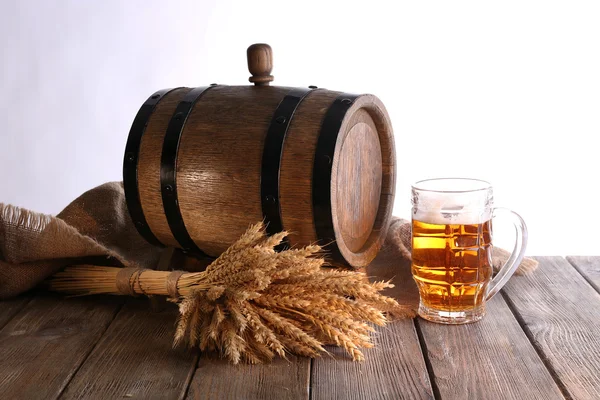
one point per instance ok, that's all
(253, 303)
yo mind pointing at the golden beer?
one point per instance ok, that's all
(452, 264)
(452, 248)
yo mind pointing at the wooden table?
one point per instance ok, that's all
(540, 340)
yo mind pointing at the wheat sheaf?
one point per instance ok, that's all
(254, 303)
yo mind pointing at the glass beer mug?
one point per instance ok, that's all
(452, 248)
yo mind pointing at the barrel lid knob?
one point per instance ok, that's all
(260, 64)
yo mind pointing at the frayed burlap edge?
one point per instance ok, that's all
(52, 237)
(34, 246)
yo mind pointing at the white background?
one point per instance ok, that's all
(505, 91)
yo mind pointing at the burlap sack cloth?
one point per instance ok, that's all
(96, 229)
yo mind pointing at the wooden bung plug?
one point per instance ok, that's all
(202, 164)
(260, 64)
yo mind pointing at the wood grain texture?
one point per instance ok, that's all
(149, 166)
(77, 348)
(296, 170)
(490, 359)
(219, 159)
(358, 182)
(282, 379)
(560, 312)
(219, 163)
(260, 63)
(589, 267)
(44, 345)
(367, 112)
(11, 307)
(394, 369)
(135, 358)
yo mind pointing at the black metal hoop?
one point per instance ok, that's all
(322, 168)
(168, 171)
(130, 166)
(271, 159)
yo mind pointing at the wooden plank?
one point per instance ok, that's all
(490, 359)
(560, 312)
(10, 308)
(44, 345)
(589, 267)
(135, 358)
(394, 369)
(282, 379)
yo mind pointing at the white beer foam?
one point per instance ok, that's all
(460, 208)
(452, 217)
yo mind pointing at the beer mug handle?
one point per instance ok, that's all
(509, 268)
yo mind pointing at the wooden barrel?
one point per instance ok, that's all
(203, 164)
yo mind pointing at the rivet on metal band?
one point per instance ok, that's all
(130, 166)
(271, 159)
(168, 171)
(322, 169)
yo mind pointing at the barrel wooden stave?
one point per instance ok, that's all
(296, 170)
(219, 163)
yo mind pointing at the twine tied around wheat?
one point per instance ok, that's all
(128, 282)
